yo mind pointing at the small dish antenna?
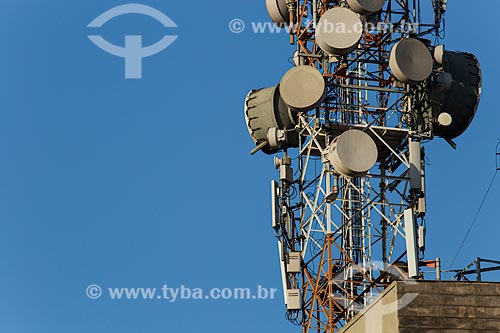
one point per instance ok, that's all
(353, 153)
(410, 61)
(278, 12)
(302, 88)
(366, 7)
(339, 31)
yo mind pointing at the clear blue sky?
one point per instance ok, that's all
(137, 183)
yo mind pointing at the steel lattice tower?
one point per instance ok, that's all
(343, 238)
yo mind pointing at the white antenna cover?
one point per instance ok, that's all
(353, 153)
(411, 61)
(278, 11)
(366, 7)
(339, 31)
(445, 119)
(296, 59)
(303, 88)
(439, 53)
(275, 204)
(333, 59)
(284, 279)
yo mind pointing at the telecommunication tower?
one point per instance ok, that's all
(371, 84)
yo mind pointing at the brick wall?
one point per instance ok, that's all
(432, 307)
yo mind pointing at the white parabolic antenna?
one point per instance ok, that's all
(303, 88)
(365, 7)
(353, 153)
(411, 61)
(278, 11)
(339, 31)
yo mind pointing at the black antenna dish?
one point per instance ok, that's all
(462, 99)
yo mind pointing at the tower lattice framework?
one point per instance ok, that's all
(354, 235)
